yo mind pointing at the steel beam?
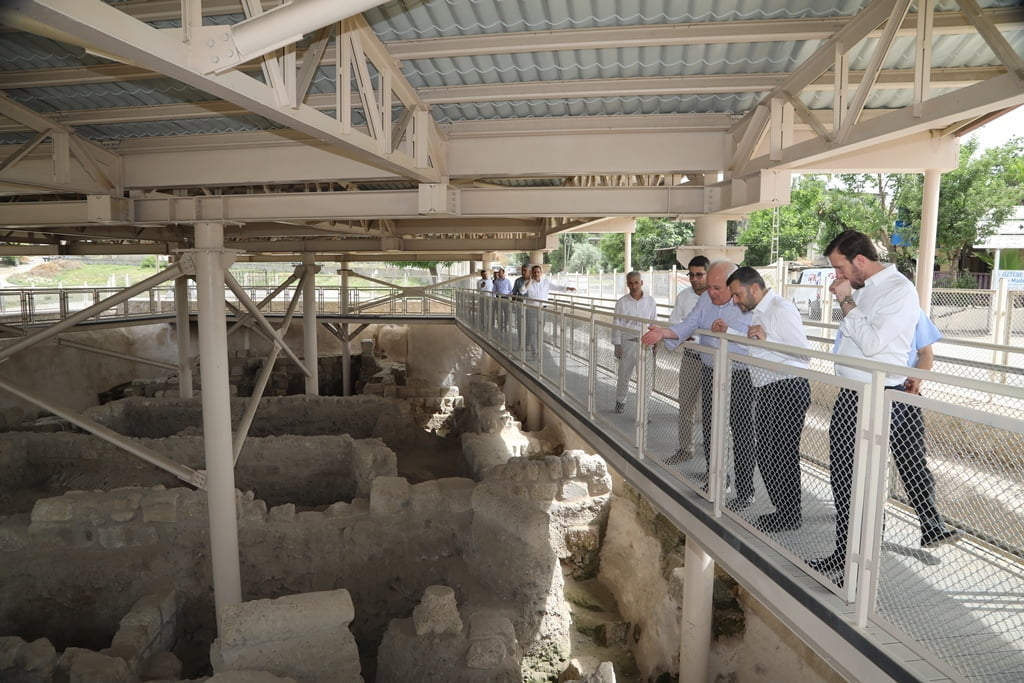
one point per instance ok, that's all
(186, 474)
(172, 271)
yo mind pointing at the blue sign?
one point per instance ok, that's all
(902, 224)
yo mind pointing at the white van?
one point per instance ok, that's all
(810, 289)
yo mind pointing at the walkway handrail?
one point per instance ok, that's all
(881, 573)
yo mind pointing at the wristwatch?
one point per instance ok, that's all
(848, 300)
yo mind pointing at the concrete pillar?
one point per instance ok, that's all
(537, 257)
(309, 323)
(710, 231)
(220, 475)
(184, 332)
(926, 244)
(534, 413)
(627, 252)
(695, 630)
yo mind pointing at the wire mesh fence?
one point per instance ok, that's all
(792, 458)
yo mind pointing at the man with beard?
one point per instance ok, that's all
(782, 398)
(878, 324)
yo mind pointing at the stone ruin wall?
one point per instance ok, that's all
(97, 545)
(313, 470)
(651, 613)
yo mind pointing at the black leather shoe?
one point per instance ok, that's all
(678, 457)
(933, 539)
(833, 564)
(777, 521)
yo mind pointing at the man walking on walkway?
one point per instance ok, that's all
(635, 304)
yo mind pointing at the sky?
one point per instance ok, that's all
(1002, 129)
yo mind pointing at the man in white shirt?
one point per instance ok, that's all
(537, 291)
(635, 304)
(484, 286)
(878, 324)
(689, 365)
(782, 399)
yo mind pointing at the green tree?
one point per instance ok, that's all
(568, 242)
(654, 243)
(585, 258)
(799, 224)
(974, 199)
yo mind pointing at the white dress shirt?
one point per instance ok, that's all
(540, 290)
(645, 307)
(782, 325)
(881, 326)
(686, 299)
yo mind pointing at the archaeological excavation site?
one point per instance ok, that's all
(420, 529)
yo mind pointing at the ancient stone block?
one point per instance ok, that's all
(458, 493)
(573, 490)
(160, 506)
(290, 616)
(36, 661)
(425, 498)
(10, 649)
(437, 612)
(389, 495)
(283, 513)
(85, 666)
(492, 639)
(52, 510)
(339, 509)
(303, 636)
(13, 538)
(127, 535)
(162, 666)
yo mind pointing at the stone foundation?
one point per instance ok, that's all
(307, 470)
(304, 637)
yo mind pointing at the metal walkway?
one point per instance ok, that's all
(900, 612)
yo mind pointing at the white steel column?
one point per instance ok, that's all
(184, 331)
(926, 244)
(695, 630)
(346, 351)
(309, 324)
(627, 252)
(210, 263)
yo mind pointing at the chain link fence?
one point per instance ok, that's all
(921, 529)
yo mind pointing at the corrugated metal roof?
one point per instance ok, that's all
(404, 20)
